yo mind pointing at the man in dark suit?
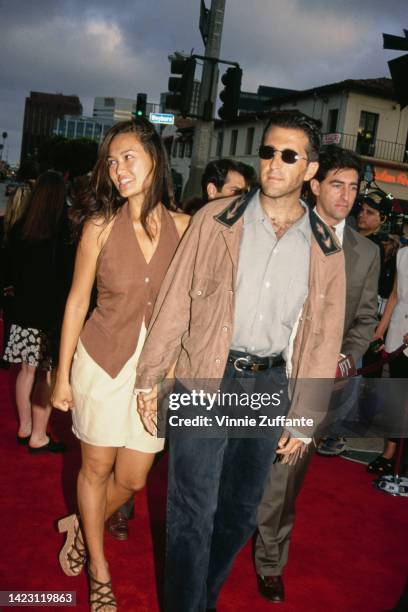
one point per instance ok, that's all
(335, 188)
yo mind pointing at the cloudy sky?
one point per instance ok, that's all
(117, 48)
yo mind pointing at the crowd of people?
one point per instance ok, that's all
(113, 288)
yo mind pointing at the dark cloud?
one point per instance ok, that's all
(111, 48)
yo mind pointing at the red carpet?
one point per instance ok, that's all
(349, 549)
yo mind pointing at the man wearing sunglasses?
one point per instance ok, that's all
(256, 289)
(335, 188)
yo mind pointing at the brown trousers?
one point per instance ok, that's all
(276, 515)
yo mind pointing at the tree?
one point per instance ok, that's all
(77, 157)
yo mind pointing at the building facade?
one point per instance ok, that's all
(113, 109)
(119, 109)
(178, 140)
(40, 113)
(72, 127)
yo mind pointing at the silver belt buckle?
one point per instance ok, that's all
(240, 359)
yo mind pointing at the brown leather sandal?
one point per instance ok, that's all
(101, 596)
(72, 556)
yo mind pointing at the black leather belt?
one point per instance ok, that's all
(253, 363)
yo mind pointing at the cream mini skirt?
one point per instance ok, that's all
(105, 409)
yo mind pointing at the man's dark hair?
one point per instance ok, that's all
(297, 121)
(249, 174)
(216, 172)
(333, 157)
(101, 198)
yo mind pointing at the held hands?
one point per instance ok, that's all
(290, 450)
(147, 409)
(61, 397)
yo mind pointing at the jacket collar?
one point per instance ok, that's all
(323, 236)
(234, 211)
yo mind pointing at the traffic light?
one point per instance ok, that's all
(141, 101)
(181, 86)
(231, 93)
(399, 66)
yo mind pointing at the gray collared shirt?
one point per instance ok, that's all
(272, 282)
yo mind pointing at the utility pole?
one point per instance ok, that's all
(204, 128)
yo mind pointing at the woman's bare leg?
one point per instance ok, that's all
(93, 478)
(130, 474)
(41, 409)
(24, 386)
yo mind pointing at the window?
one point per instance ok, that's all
(89, 130)
(80, 129)
(188, 149)
(109, 102)
(175, 143)
(61, 127)
(367, 132)
(71, 129)
(249, 140)
(332, 121)
(220, 143)
(233, 143)
(181, 149)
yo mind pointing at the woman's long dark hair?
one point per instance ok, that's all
(45, 207)
(101, 198)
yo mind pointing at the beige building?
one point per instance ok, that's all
(178, 140)
(361, 115)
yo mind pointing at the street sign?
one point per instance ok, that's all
(331, 139)
(166, 118)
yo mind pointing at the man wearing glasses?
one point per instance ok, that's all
(255, 290)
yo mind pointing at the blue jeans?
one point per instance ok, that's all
(215, 487)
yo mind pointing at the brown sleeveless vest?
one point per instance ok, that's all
(127, 290)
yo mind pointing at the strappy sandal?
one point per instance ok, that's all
(381, 465)
(101, 595)
(73, 554)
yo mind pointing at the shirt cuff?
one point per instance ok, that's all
(296, 434)
(137, 390)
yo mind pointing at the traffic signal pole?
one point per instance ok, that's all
(208, 91)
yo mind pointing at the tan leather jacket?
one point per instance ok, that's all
(194, 312)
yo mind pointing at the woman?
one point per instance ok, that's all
(129, 237)
(15, 209)
(395, 320)
(34, 271)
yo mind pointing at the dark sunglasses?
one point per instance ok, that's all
(288, 155)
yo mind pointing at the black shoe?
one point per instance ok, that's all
(271, 587)
(117, 526)
(51, 447)
(23, 440)
(4, 365)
